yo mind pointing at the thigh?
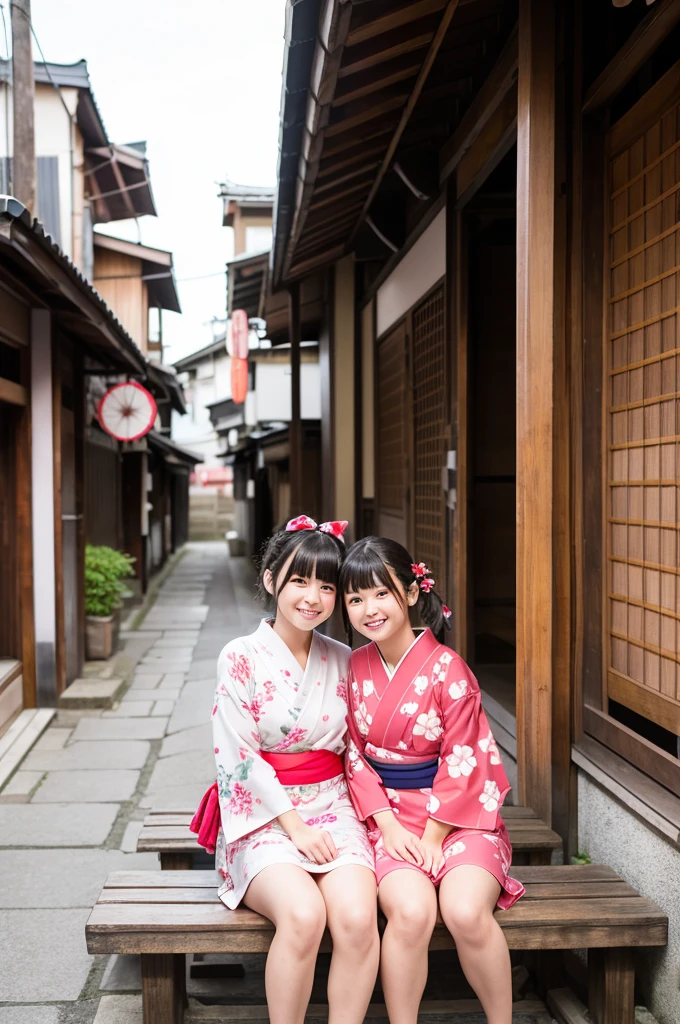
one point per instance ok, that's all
(350, 895)
(281, 890)
(409, 897)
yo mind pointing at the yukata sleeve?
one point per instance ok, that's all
(250, 794)
(471, 783)
(365, 787)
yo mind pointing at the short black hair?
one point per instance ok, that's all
(368, 565)
(314, 554)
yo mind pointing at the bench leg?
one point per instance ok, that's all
(176, 861)
(540, 857)
(611, 986)
(163, 988)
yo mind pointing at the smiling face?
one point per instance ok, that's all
(303, 601)
(380, 613)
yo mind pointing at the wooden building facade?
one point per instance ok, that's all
(490, 189)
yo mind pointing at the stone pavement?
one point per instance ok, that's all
(74, 808)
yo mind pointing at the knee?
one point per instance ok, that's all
(468, 921)
(412, 919)
(303, 926)
(355, 926)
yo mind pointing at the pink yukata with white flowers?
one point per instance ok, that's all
(266, 701)
(429, 708)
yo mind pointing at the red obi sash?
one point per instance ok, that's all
(304, 769)
(291, 770)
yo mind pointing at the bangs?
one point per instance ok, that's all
(316, 554)
(364, 569)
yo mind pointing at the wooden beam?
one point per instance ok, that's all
(368, 82)
(295, 429)
(430, 58)
(360, 62)
(641, 44)
(314, 262)
(365, 113)
(15, 394)
(486, 152)
(406, 15)
(482, 108)
(535, 249)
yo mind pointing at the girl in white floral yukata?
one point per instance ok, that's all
(425, 773)
(290, 845)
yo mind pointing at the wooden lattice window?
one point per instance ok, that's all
(642, 395)
(430, 434)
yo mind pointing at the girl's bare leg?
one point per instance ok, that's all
(289, 897)
(352, 912)
(409, 902)
(467, 898)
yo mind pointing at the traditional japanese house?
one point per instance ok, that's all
(489, 190)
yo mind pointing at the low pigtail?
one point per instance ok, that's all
(434, 613)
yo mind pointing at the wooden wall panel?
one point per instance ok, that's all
(430, 434)
(392, 436)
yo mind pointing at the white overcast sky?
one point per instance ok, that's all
(201, 83)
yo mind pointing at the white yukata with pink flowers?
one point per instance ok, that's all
(265, 701)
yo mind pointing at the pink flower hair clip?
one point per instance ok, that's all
(423, 576)
(446, 612)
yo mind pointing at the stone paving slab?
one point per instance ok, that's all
(90, 755)
(148, 695)
(91, 693)
(172, 681)
(195, 766)
(53, 739)
(162, 617)
(29, 1015)
(199, 737)
(120, 729)
(56, 824)
(189, 635)
(62, 878)
(203, 668)
(194, 706)
(131, 709)
(131, 835)
(163, 708)
(87, 787)
(146, 680)
(22, 783)
(174, 644)
(53, 941)
(175, 797)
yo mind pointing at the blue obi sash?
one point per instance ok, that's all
(398, 775)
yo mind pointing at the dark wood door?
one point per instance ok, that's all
(431, 433)
(10, 639)
(392, 436)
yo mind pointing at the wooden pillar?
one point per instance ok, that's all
(535, 247)
(24, 538)
(23, 96)
(295, 432)
(45, 566)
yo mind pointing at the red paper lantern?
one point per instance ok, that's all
(239, 380)
(127, 411)
(238, 330)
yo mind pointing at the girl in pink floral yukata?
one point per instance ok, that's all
(425, 774)
(290, 845)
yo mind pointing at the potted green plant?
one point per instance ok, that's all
(105, 569)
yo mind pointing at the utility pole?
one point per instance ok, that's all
(23, 97)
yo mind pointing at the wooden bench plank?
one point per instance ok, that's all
(529, 924)
(570, 873)
(524, 836)
(207, 894)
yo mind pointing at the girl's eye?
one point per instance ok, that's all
(297, 579)
(353, 600)
(381, 593)
(329, 587)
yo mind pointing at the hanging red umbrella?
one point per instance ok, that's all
(127, 411)
(239, 380)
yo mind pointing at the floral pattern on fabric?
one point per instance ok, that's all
(429, 709)
(265, 701)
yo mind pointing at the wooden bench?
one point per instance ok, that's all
(167, 833)
(165, 915)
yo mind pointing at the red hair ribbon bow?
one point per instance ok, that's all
(335, 528)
